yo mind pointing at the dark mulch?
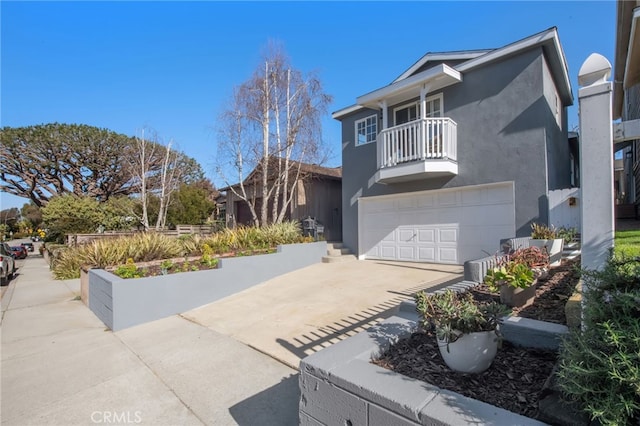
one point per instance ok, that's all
(517, 376)
(552, 293)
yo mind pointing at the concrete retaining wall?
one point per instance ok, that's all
(340, 386)
(475, 270)
(509, 244)
(121, 303)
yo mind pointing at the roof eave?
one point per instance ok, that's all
(440, 56)
(624, 12)
(632, 68)
(339, 114)
(547, 38)
(442, 75)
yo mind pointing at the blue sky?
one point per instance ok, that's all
(172, 66)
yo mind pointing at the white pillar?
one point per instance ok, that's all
(596, 161)
(383, 108)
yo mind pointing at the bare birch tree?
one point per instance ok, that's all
(169, 182)
(140, 168)
(271, 127)
(158, 170)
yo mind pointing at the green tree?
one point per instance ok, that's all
(32, 214)
(42, 161)
(69, 214)
(192, 204)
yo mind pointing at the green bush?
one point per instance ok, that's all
(109, 252)
(543, 232)
(129, 270)
(148, 246)
(567, 234)
(600, 365)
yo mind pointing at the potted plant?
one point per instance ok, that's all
(467, 330)
(535, 258)
(514, 280)
(547, 237)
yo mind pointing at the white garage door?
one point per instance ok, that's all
(442, 226)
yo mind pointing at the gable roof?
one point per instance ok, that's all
(548, 40)
(305, 169)
(439, 57)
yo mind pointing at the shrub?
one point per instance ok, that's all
(510, 273)
(533, 257)
(543, 232)
(600, 364)
(129, 270)
(452, 314)
(108, 252)
(149, 246)
(567, 234)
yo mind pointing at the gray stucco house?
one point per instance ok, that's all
(458, 152)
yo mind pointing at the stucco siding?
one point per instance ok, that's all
(501, 113)
(558, 163)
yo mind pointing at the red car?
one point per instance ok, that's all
(19, 252)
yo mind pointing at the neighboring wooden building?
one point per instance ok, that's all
(316, 193)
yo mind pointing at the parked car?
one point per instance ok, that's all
(19, 252)
(28, 246)
(35, 238)
(7, 264)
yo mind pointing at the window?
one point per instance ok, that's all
(434, 106)
(410, 112)
(366, 130)
(405, 114)
(558, 108)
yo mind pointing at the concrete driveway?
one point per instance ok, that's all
(296, 314)
(222, 364)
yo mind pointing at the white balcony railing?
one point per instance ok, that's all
(420, 140)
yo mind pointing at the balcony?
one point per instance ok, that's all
(416, 150)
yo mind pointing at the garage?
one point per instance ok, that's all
(440, 226)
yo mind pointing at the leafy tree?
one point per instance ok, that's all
(42, 161)
(69, 214)
(272, 127)
(192, 204)
(32, 214)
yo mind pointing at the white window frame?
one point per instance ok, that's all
(404, 106)
(441, 98)
(417, 103)
(373, 117)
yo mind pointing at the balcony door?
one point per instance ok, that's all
(411, 111)
(406, 113)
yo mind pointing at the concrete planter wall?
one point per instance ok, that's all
(121, 303)
(553, 247)
(340, 386)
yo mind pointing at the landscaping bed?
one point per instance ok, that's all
(516, 379)
(178, 265)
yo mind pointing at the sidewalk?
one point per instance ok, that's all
(61, 367)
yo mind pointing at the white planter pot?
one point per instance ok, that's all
(554, 248)
(471, 353)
